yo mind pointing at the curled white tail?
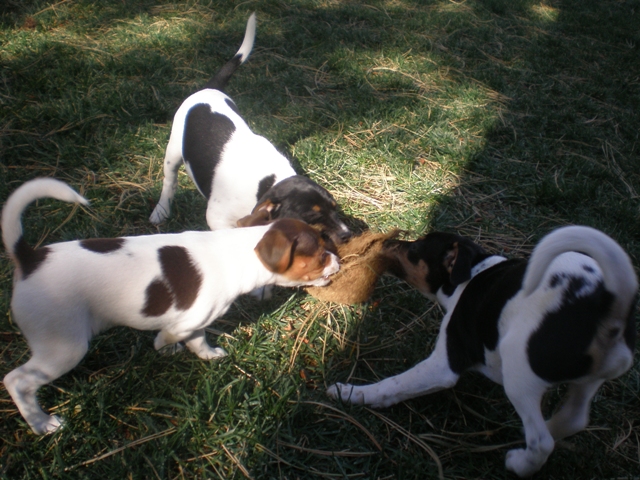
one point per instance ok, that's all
(23, 196)
(249, 38)
(617, 269)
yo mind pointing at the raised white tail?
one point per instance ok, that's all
(617, 269)
(23, 196)
(220, 79)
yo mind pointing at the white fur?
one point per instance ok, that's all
(76, 293)
(521, 316)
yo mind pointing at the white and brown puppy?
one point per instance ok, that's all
(66, 293)
(245, 180)
(562, 317)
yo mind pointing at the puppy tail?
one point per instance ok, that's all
(617, 269)
(21, 198)
(219, 81)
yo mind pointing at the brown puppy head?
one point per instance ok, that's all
(437, 260)
(297, 254)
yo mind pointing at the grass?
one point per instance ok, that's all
(495, 119)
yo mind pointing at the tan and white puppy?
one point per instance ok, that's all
(65, 293)
(565, 316)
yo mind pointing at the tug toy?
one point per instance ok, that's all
(362, 262)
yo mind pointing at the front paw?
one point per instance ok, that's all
(520, 462)
(209, 353)
(159, 214)
(346, 393)
(48, 424)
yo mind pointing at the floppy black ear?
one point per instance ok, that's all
(460, 260)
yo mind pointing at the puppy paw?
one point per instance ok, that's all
(46, 425)
(346, 393)
(211, 353)
(520, 462)
(262, 293)
(171, 349)
(159, 215)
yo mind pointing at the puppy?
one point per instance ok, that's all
(245, 180)
(67, 292)
(563, 317)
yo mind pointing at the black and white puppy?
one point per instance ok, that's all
(562, 317)
(65, 293)
(241, 174)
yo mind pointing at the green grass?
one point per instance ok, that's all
(495, 119)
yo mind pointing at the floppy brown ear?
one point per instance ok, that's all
(261, 215)
(275, 251)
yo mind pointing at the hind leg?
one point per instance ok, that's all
(172, 162)
(526, 461)
(573, 416)
(195, 341)
(45, 365)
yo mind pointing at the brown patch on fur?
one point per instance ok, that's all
(102, 245)
(362, 261)
(416, 274)
(181, 274)
(159, 299)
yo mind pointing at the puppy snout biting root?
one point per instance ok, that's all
(178, 284)
(565, 316)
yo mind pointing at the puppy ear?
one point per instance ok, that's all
(275, 251)
(459, 261)
(261, 215)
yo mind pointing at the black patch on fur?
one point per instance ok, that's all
(102, 245)
(264, 185)
(158, 299)
(29, 258)
(556, 279)
(588, 268)
(205, 135)
(220, 79)
(303, 199)
(557, 350)
(181, 275)
(474, 322)
(232, 105)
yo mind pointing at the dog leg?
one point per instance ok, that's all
(573, 415)
(262, 293)
(525, 393)
(428, 376)
(44, 366)
(172, 162)
(166, 339)
(197, 343)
